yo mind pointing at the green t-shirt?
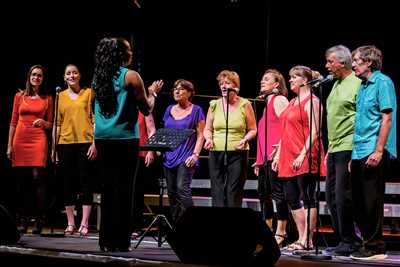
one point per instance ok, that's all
(341, 110)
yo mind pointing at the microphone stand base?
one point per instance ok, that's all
(312, 255)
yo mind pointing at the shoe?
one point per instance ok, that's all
(345, 249)
(295, 246)
(37, 227)
(128, 249)
(22, 226)
(281, 240)
(70, 230)
(136, 235)
(83, 230)
(332, 249)
(107, 249)
(368, 254)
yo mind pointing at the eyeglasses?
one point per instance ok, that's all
(178, 88)
(358, 61)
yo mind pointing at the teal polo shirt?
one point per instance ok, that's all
(341, 111)
(375, 95)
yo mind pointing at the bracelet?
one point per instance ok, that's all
(154, 94)
(196, 154)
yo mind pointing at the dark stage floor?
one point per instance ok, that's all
(77, 251)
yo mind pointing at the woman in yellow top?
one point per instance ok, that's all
(75, 147)
(228, 172)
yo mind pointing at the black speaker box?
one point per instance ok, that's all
(223, 237)
(9, 233)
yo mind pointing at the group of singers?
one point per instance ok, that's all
(361, 122)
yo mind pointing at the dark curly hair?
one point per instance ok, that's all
(110, 55)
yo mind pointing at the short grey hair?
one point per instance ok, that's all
(342, 54)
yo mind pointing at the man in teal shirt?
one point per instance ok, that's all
(341, 110)
(374, 143)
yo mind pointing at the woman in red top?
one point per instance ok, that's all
(28, 146)
(146, 129)
(273, 88)
(292, 158)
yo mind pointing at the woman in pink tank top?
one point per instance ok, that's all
(274, 91)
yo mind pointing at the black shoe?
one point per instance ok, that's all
(22, 225)
(108, 249)
(37, 228)
(345, 249)
(368, 254)
(22, 229)
(281, 240)
(332, 249)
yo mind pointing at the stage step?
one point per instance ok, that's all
(390, 189)
(390, 210)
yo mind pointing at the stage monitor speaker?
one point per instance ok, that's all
(223, 237)
(9, 233)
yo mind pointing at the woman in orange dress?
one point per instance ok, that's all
(28, 147)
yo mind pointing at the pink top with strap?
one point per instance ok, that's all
(295, 133)
(273, 132)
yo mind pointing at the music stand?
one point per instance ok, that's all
(165, 139)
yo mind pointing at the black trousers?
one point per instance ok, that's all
(74, 169)
(368, 199)
(117, 160)
(179, 180)
(270, 187)
(339, 196)
(227, 182)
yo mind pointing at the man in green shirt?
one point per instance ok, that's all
(341, 107)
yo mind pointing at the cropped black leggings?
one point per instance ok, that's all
(301, 188)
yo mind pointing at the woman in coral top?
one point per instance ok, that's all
(75, 147)
(270, 187)
(292, 158)
(28, 147)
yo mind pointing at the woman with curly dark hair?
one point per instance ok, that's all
(119, 94)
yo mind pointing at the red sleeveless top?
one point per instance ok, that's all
(295, 133)
(273, 132)
(142, 133)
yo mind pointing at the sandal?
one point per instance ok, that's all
(70, 230)
(281, 240)
(295, 246)
(83, 230)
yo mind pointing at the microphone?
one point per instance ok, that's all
(319, 81)
(58, 89)
(274, 91)
(236, 90)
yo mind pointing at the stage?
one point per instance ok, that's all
(72, 251)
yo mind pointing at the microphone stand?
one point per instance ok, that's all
(317, 255)
(226, 148)
(52, 233)
(266, 171)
